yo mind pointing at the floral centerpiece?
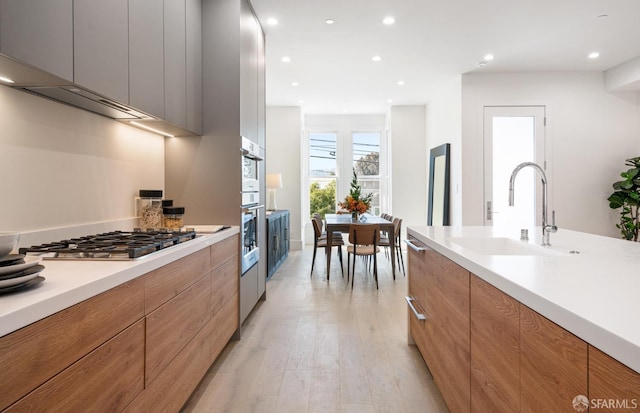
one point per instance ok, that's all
(355, 202)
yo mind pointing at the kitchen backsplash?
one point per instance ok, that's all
(64, 167)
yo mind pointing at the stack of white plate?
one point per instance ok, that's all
(19, 271)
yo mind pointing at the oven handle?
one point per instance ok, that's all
(252, 208)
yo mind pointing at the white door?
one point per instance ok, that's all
(512, 135)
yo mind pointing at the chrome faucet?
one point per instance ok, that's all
(546, 229)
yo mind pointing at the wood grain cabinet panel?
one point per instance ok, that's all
(106, 380)
(35, 353)
(495, 349)
(224, 251)
(553, 364)
(222, 326)
(612, 385)
(421, 331)
(224, 284)
(454, 331)
(176, 382)
(167, 282)
(441, 289)
(174, 324)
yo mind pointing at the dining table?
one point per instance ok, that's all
(342, 223)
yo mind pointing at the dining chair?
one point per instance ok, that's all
(386, 244)
(364, 240)
(320, 241)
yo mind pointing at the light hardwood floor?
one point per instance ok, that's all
(317, 346)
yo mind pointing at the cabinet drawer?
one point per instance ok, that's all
(222, 326)
(224, 250)
(106, 380)
(224, 285)
(35, 353)
(174, 324)
(173, 386)
(167, 282)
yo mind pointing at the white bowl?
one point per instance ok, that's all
(8, 241)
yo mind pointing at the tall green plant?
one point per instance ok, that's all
(627, 197)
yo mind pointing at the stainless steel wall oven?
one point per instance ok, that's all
(251, 208)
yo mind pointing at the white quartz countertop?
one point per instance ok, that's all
(70, 282)
(595, 294)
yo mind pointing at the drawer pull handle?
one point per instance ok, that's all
(418, 315)
(414, 246)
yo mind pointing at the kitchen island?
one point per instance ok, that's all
(133, 335)
(496, 293)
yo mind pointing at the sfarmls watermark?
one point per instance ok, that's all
(581, 403)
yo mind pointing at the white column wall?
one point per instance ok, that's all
(589, 134)
(283, 155)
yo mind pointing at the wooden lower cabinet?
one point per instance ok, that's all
(612, 385)
(109, 354)
(440, 289)
(105, 380)
(553, 364)
(510, 358)
(36, 353)
(495, 349)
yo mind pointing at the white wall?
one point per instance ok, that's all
(589, 135)
(409, 164)
(283, 154)
(444, 118)
(62, 166)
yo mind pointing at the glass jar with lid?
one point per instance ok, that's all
(149, 209)
(173, 217)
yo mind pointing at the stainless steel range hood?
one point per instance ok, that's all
(85, 99)
(36, 81)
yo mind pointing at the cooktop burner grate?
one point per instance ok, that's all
(116, 245)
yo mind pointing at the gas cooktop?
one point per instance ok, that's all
(116, 245)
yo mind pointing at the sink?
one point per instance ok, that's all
(503, 246)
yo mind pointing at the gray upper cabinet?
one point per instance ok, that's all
(146, 56)
(101, 47)
(175, 63)
(262, 133)
(39, 33)
(194, 65)
(249, 29)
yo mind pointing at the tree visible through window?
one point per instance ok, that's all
(366, 163)
(322, 173)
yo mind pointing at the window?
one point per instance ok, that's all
(366, 164)
(337, 145)
(322, 173)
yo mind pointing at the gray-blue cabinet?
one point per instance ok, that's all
(277, 240)
(39, 33)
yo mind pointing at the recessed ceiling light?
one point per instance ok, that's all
(376, 58)
(389, 100)
(400, 82)
(272, 21)
(329, 21)
(594, 55)
(301, 101)
(482, 63)
(488, 57)
(389, 20)
(294, 84)
(286, 59)
(6, 80)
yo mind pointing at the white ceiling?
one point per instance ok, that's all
(431, 40)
